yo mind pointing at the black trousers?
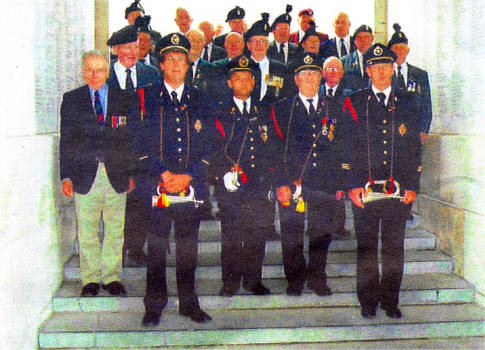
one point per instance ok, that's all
(322, 223)
(243, 219)
(186, 226)
(135, 232)
(390, 215)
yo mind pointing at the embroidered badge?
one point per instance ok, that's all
(308, 59)
(402, 129)
(122, 120)
(378, 51)
(243, 62)
(198, 125)
(263, 131)
(175, 39)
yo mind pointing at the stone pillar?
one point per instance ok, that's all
(101, 25)
(380, 21)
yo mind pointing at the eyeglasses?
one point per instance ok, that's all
(331, 69)
(258, 41)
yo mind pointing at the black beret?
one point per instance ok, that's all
(172, 42)
(135, 6)
(362, 28)
(398, 37)
(259, 28)
(236, 13)
(125, 35)
(284, 18)
(306, 60)
(143, 24)
(241, 63)
(311, 31)
(378, 53)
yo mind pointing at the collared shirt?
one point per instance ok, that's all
(194, 68)
(146, 60)
(264, 68)
(334, 89)
(179, 90)
(239, 104)
(404, 71)
(301, 34)
(285, 49)
(361, 62)
(209, 50)
(386, 92)
(346, 43)
(120, 72)
(306, 103)
(103, 97)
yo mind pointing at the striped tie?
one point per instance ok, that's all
(98, 108)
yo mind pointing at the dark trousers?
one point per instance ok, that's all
(322, 224)
(186, 226)
(243, 218)
(135, 230)
(391, 216)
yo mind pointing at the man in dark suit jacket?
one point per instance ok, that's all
(412, 79)
(211, 52)
(235, 19)
(342, 44)
(281, 49)
(304, 18)
(97, 167)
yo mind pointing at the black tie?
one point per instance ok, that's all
(311, 110)
(245, 108)
(382, 99)
(175, 98)
(400, 79)
(330, 92)
(205, 57)
(129, 83)
(343, 50)
(282, 53)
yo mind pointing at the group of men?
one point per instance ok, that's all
(297, 122)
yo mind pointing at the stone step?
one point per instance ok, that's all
(415, 289)
(263, 326)
(338, 264)
(415, 239)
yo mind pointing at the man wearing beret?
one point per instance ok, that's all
(281, 49)
(310, 42)
(145, 43)
(312, 165)
(412, 79)
(241, 171)
(97, 166)
(342, 44)
(304, 18)
(172, 162)
(383, 165)
(235, 19)
(355, 76)
(133, 11)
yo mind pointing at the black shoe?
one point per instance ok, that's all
(410, 217)
(392, 312)
(320, 289)
(257, 289)
(115, 288)
(227, 291)
(196, 315)
(151, 319)
(90, 290)
(368, 312)
(294, 289)
(270, 233)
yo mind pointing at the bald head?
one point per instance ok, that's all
(341, 25)
(332, 71)
(197, 42)
(234, 44)
(183, 19)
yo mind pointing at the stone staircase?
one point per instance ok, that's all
(435, 304)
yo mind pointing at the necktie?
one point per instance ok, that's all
(282, 53)
(382, 99)
(400, 79)
(98, 108)
(330, 92)
(189, 76)
(175, 98)
(311, 110)
(343, 50)
(245, 108)
(206, 53)
(129, 83)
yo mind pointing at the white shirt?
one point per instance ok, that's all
(404, 71)
(285, 49)
(179, 90)
(386, 92)
(306, 103)
(264, 67)
(239, 104)
(346, 44)
(120, 72)
(194, 68)
(361, 62)
(209, 50)
(334, 89)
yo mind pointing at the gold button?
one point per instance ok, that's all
(384, 121)
(177, 120)
(252, 157)
(250, 131)
(314, 154)
(252, 148)
(179, 130)
(179, 139)
(384, 131)
(180, 160)
(385, 152)
(252, 165)
(314, 135)
(385, 142)
(384, 162)
(180, 150)
(251, 139)
(314, 145)
(314, 126)
(314, 164)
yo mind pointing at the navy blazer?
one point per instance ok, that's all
(277, 70)
(329, 48)
(353, 79)
(145, 75)
(217, 53)
(273, 52)
(83, 142)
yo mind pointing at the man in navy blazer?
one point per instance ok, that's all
(333, 47)
(281, 49)
(211, 52)
(97, 168)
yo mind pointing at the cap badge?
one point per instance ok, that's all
(265, 27)
(400, 35)
(238, 13)
(243, 62)
(175, 39)
(308, 59)
(378, 51)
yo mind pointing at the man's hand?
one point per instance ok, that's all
(132, 185)
(166, 176)
(409, 197)
(283, 194)
(339, 195)
(67, 188)
(355, 196)
(178, 183)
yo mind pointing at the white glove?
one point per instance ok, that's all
(230, 181)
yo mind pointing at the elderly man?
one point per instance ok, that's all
(97, 167)
(235, 19)
(133, 11)
(355, 76)
(312, 164)
(281, 49)
(183, 20)
(145, 42)
(342, 44)
(383, 154)
(211, 52)
(413, 79)
(310, 42)
(304, 18)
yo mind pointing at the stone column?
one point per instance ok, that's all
(380, 21)
(101, 25)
